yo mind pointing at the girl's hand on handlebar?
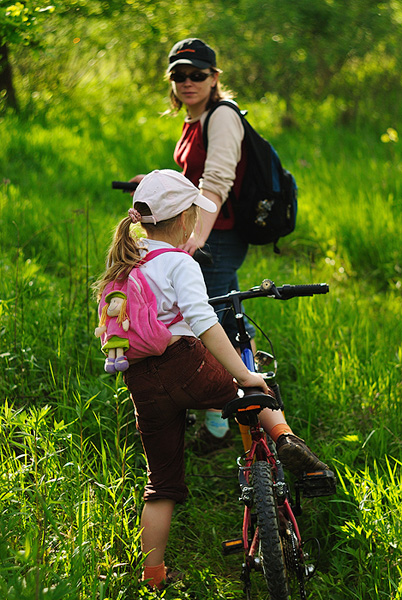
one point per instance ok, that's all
(254, 380)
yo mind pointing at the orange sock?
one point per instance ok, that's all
(279, 430)
(155, 575)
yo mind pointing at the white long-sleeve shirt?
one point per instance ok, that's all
(225, 136)
(178, 284)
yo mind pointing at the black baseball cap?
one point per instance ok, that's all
(192, 51)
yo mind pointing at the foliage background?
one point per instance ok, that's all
(343, 53)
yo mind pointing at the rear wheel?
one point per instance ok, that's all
(271, 552)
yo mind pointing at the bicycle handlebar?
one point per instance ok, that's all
(269, 290)
(126, 186)
(267, 287)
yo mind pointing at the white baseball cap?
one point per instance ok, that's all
(167, 194)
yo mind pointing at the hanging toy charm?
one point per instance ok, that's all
(113, 325)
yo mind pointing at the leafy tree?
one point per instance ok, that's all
(19, 24)
(307, 48)
(137, 33)
(348, 50)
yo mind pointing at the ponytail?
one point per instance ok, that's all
(124, 253)
(125, 250)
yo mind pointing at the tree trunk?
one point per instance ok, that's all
(6, 78)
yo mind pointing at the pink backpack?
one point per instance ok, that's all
(146, 335)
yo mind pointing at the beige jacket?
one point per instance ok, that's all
(225, 136)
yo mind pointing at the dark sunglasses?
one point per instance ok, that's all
(180, 77)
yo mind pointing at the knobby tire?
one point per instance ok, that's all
(272, 559)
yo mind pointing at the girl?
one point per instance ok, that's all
(200, 367)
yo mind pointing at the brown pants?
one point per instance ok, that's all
(162, 389)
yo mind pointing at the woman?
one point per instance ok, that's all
(195, 85)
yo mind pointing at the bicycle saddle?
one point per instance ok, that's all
(253, 401)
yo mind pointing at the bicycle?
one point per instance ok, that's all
(271, 539)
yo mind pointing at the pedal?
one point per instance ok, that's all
(232, 546)
(318, 483)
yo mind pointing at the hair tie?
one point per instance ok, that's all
(134, 215)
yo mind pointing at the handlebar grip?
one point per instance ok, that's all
(126, 186)
(293, 291)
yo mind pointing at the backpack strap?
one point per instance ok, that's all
(241, 113)
(154, 254)
(250, 136)
(232, 105)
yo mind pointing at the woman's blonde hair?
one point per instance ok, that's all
(125, 250)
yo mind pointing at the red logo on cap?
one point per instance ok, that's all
(186, 50)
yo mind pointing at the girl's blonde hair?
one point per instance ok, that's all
(123, 255)
(125, 250)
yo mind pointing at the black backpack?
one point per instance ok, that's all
(267, 204)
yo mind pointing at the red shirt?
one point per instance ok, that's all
(190, 155)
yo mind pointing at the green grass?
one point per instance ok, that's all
(71, 464)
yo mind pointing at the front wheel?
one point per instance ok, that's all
(271, 552)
